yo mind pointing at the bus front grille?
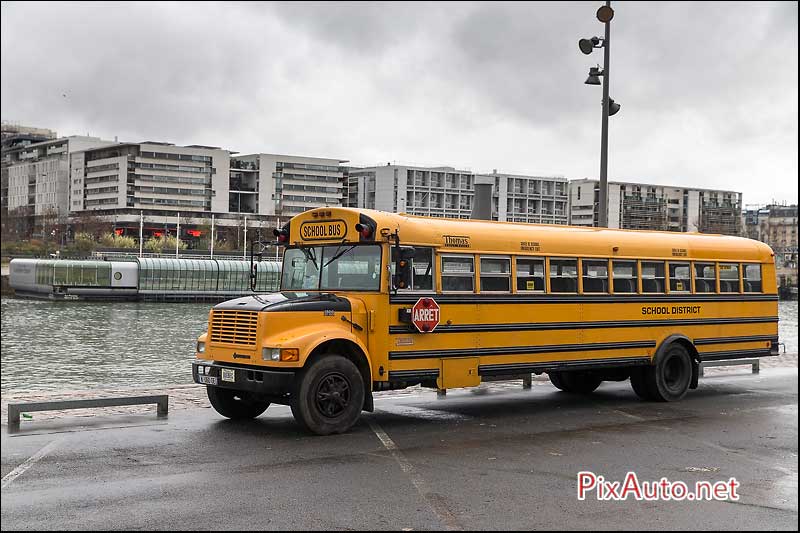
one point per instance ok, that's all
(234, 327)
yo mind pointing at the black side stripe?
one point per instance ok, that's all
(543, 326)
(727, 340)
(409, 375)
(514, 350)
(734, 354)
(515, 368)
(576, 298)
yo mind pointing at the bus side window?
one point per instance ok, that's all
(728, 277)
(595, 276)
(563, 275)
(752, 278)
(652, 277)
(458, 273)
(422, 271)
(495, 274)
(680, 279)
(625, 277)
(705, 277)
(530, 274)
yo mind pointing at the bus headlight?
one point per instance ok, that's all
(201, 347)
(271, 354)
(280, 354)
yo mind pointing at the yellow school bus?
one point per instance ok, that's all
(373, 301)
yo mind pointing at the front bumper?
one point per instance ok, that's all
(272, 383)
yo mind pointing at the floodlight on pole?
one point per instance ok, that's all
(586, 46)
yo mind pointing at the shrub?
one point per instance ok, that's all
(112, 240)
(162, 245)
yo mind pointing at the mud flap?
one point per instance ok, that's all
(695, 374)
(369, 403)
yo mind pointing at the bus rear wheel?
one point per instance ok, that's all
(575, 382)
(330, 396)
(669, 379)
(236, 405)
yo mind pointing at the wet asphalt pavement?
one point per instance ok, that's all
(496, 459)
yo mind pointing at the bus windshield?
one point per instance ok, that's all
(343, 267)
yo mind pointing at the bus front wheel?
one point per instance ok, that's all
(234, 404)
(330, 396)
(669, 379)
(575, 382)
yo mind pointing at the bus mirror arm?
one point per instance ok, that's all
(396, 253)
(253, 266)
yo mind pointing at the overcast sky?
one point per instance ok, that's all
(708, 90)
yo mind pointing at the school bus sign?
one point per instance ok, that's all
(425, 315)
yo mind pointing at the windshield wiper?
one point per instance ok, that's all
(310, 256)
(338, 255)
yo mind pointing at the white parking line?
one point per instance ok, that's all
(18, 471)
(433, 500)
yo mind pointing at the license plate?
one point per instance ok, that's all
(228, 374)
(208, 380)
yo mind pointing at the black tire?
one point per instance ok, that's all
(236, 405)
(555, 379)
(329, 396)
(575, 382)
(639, 384)
(669, 379)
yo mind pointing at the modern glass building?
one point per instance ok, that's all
(205, 276)
(141, 279)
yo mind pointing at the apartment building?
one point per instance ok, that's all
(533, 199)
(449, 192)
(284, 185)
(38, 174)
(657, 207)
(154, 176)
(13, 135)
(776, 225)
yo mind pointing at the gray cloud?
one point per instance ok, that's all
(708, 90)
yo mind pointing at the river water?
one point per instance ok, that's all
(55, 346)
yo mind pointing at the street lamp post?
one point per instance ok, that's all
(604, 15)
